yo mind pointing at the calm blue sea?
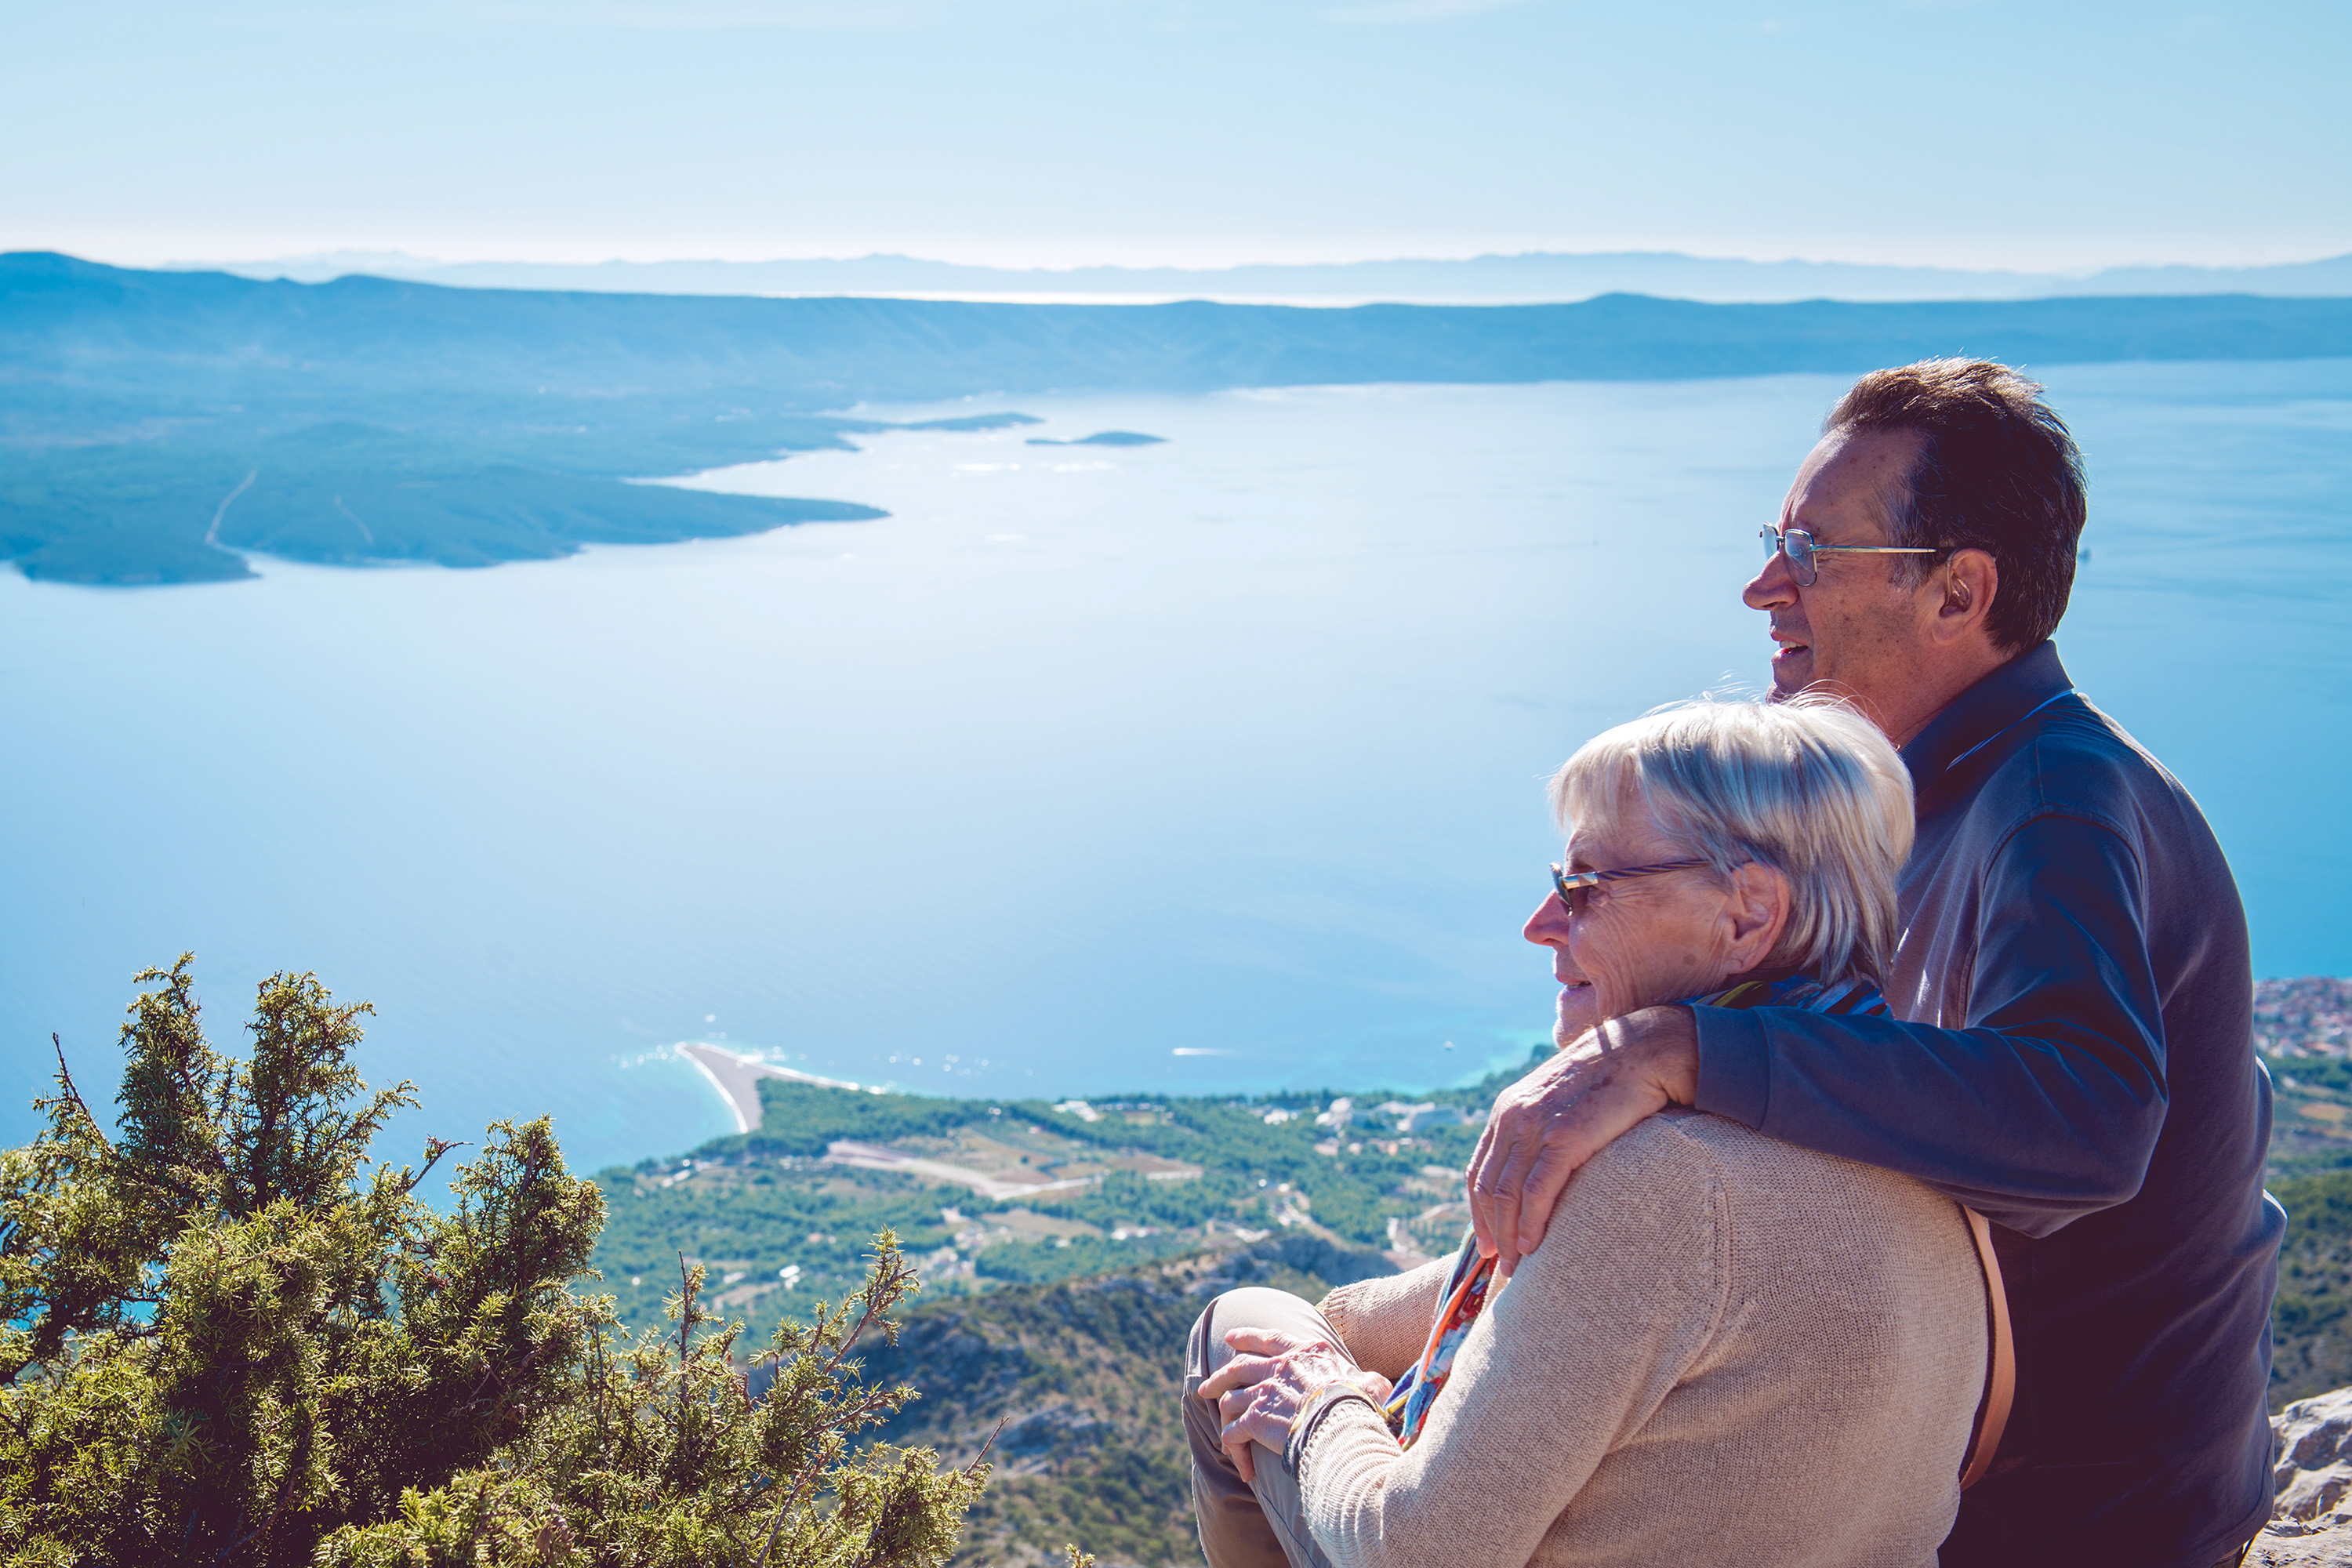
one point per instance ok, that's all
(1207, 766)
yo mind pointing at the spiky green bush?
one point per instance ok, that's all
(227, 1336)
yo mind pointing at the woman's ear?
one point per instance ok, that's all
(1754, 913)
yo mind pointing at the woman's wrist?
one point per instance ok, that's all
(1319, 1405)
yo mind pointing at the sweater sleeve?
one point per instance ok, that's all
(2044, 1107)
(1383, 1323)
(1571, 1356)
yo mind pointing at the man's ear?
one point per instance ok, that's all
(1965, 588)
(1754, 915)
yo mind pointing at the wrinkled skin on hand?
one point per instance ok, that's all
(1271, 1378)
(1570, 1109)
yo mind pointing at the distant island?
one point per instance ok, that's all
(156, 425)
(1102, 439)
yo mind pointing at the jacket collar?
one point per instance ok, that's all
(2031, 681)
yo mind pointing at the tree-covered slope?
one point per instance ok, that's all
(778, 1223)
(1084, 1378)
(2311, 1329)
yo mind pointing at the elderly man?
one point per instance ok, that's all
(2070, 1047)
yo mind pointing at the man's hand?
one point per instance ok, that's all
(1567, 1110)
(1262, 1390)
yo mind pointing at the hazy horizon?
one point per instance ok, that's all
(1182, 132)
(1522, 277)
(1157, 261)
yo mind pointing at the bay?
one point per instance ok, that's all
(1208, 766)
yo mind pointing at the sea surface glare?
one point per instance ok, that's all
(1209, 766)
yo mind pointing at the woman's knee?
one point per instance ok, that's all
(1249, 1307)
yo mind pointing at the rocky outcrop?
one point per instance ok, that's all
(2311, 1525)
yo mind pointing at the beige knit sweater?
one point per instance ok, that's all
(1728, 1350)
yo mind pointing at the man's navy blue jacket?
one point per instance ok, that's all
(2071, 1056)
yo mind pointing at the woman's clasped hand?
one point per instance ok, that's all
(1272, 1378)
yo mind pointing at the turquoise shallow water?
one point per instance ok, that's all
(1211, 766)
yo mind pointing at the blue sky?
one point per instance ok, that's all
(2028, 133)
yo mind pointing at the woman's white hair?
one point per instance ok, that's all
(1808, 787)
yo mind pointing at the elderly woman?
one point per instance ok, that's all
(1727, 1350)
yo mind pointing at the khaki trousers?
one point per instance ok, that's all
(1245, 1524)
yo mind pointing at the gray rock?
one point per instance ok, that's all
(2326, 1549)
(2311, 1526)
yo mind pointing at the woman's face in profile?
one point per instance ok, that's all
(1634, 944)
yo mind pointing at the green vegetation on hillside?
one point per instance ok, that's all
(1159, 1177)
(804, 1119)
(1087, 1375)
(2310, 1116)
(225, 1339)
(2311, 1326)
(2299, 1027)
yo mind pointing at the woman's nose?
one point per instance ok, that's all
(1547, 927)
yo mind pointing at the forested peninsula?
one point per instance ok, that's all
(155, 426)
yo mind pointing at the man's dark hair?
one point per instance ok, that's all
(1997, 471)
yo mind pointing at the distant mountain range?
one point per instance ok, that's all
(153, 424)
(1538, 278)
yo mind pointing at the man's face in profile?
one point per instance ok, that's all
(1854, 631)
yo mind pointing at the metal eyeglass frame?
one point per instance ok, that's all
(1567, 883)
(1779, 541)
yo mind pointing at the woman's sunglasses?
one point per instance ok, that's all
(1570, 883)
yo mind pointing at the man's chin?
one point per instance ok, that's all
(1792, 672)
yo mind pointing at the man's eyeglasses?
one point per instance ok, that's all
(1569, 883)
(1803, 554)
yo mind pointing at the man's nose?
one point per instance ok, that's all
(1547, 927)
(1772, 587)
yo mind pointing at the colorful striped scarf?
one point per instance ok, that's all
(1467, 1283)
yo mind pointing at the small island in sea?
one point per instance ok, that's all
(1102, 439)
